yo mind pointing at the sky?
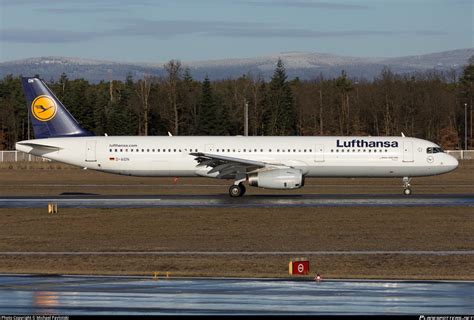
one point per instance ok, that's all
(192, 30)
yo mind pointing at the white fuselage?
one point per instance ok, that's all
(314, 156)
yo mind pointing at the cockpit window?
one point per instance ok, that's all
(433, 150)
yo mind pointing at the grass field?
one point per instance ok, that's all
(234, 229)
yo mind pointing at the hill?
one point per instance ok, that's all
(297, 64)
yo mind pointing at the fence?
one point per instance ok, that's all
(18, 156)
(462, 154)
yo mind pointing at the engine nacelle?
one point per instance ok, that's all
(277, 179)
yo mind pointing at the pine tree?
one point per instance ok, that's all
(208, 117)
(282, 109)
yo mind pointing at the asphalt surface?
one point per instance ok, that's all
(81, 200)
(86, 295)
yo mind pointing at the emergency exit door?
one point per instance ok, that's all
(319, 153)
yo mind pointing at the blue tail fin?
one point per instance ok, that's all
(49, 117)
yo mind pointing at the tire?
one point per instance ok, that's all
(235, 191)
(407, 191)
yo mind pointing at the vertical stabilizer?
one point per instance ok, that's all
(49, 117)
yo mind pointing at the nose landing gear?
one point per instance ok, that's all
(406, 186)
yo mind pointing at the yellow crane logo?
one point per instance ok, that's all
(44, 108)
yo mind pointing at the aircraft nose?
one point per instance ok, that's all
(452, 162)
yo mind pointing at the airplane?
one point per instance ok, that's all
(272, 162)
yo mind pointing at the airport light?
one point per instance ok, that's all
(465, 126)
(246, 117)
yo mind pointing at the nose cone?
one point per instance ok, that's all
(452, 163)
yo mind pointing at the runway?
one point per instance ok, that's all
(223, 200)
(88, 295)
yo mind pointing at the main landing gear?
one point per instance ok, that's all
(406, 186)
(237, 190)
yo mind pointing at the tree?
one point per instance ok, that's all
(467, 92)
(173, 69)
(190, 104)
(344, 85)
(207, 110)
(281, 104)
(143, 89)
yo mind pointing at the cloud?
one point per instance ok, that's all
(80, 10)
(111, 3)
(307, 33)
(164, 29)
(308, 4)
(171, 28)
(44, 36)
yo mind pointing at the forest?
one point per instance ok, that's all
(430, 105)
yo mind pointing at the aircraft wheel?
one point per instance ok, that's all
(236, 190)
(407, 191)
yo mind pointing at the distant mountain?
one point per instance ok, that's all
(302, 65)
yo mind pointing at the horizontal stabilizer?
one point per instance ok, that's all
(38, 146)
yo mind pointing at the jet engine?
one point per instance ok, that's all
(277, 179)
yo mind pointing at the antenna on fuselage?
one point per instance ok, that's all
(403, 135)
(169, 133)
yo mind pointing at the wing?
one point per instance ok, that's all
(230, 167)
